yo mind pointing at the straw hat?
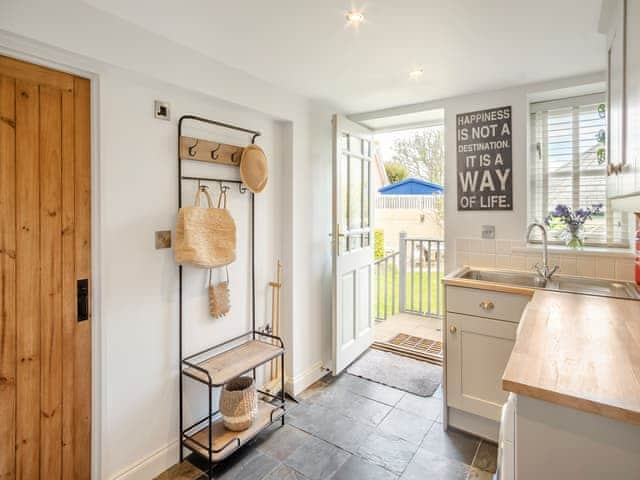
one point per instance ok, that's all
(253, 168)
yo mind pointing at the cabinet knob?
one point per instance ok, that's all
(453, 329)
(486, 305)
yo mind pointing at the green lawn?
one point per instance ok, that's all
(433, 279)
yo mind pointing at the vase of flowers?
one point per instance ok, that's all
(571, 222)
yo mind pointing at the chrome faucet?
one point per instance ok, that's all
(544, 271)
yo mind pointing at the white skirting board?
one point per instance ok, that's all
(299, 383)
(151, 466)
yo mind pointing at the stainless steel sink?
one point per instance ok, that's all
(591, 286)
(559, 283)
(524, 279)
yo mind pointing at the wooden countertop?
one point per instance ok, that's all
(484, 285)
(579, 351)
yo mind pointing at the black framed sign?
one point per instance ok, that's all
(484, 156)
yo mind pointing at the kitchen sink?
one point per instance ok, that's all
(524, 279)
(559, 283)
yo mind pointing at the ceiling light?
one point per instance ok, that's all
(354, 17)
(416, 73)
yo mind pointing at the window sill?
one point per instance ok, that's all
(560, 250)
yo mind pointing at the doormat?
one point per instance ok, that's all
(413, 376)
(413, 347)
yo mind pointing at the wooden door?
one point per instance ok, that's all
(352, 242)
(478, 350)
(45, 241)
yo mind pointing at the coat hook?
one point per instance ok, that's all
(192, 149)
(214, 155)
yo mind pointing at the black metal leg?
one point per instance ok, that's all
(282, 387)
(209, 470)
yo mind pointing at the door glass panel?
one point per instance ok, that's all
(344, 142)
(355, 145)
(366, 166)
(355, 193)
(355, 242)
(343, 191)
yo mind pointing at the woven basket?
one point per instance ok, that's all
(239, 403)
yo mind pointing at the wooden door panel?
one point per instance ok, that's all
(45, 241)
(51, 280)
(28, 280)
(68, 284)
(7, 277)
(82, 336)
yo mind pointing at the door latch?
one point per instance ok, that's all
(83, 299)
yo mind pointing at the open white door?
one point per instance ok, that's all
(352, 242)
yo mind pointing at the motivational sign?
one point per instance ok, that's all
(484, 160)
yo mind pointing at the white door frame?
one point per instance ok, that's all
(51, 57)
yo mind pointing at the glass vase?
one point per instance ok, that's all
(574, 236)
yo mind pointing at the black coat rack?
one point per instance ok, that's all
(264, 347)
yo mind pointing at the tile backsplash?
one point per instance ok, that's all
(516, 255)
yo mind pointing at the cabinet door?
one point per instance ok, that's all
(632, 132)
(477, 353)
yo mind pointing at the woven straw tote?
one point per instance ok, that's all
(219, 301)
(205, 236)
(239, 403)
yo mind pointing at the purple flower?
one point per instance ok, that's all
(567, 216)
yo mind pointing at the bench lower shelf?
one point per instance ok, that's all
(225, 440)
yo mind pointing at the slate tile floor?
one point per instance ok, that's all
(350, 428)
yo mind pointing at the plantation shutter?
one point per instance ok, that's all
(567, 164)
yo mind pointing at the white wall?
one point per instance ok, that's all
(135, 327)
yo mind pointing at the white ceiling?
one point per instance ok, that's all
(464, 46)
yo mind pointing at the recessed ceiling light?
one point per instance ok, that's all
(416, 73)
(354, 17)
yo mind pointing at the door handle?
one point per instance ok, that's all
(82, 294)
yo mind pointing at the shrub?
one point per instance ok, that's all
(396, 172)
(378, 244)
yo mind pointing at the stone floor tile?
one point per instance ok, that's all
(309, 417)
(343, 432)
(352, 405)
(487, 457)
(357, 468)
(372, 390)
(405, 425)
(280, 442)
(452, 444)
(248, 465)
(428, 407)
(427, 465)
(475, 474)
(388, 451)
(181, 471)
(284, 473)
(317, 459)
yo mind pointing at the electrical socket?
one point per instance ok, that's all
(488, 232)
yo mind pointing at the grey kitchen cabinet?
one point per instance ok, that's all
(480, 331)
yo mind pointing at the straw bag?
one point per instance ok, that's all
(239, 403)
(205, 236)
(219, 301)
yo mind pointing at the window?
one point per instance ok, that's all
(567, 164)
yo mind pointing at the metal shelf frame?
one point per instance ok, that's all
(278, 401)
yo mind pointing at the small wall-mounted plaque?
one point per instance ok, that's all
(163, 239)
(161, 110)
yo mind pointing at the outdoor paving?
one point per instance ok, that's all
(351, 428)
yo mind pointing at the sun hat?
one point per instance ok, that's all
(254, 171)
